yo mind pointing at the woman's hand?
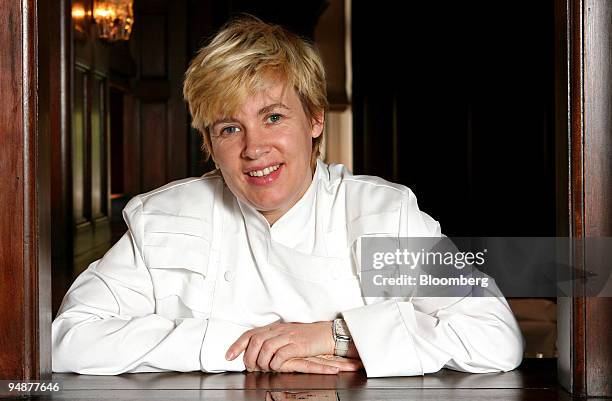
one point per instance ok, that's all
(270, 347)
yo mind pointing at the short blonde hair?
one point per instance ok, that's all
(237, 62)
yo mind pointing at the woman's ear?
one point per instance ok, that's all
(318, 123)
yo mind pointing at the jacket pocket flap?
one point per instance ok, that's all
(161, 223)
(181, 241)
(167, 257)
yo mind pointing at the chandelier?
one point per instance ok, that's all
(114, 19)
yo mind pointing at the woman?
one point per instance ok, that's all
(253, 265)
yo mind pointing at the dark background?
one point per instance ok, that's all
(470, 89)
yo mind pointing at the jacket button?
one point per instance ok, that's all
(229, 275)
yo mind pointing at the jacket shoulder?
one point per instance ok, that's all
(375, 205)
(371, 195)
(178, 202)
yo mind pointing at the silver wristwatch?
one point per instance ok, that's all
(342, 337)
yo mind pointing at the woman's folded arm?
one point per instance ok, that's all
(107, 323)
(400, 338)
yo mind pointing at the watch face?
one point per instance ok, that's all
(341, 330)
(340, 327)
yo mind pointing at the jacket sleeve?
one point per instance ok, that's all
(415, 336)
(107, 323)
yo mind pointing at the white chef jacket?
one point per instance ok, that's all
(198, 267)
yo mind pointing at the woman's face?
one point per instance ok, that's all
(264, 151)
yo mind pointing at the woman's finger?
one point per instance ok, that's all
(284, 354)
(243, 341)
(344, 364)
(268, 350)
(305, 365)
(254, 347)
(239, 345)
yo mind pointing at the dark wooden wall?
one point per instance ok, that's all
(585, 340)
(89, 144)
(161, 151)
(457, 102)
(60, 62)
(24, 194)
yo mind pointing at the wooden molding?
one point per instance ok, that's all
(585, 346)
(24, 186)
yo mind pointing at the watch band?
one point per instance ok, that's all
(342, 337)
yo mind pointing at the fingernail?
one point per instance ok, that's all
(229, 356)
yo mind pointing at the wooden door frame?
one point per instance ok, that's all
(584, 127)
(25, 321)
(35, 120)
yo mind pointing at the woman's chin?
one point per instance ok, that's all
(267, 207)
(268, 203)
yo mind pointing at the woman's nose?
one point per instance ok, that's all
(256, 145)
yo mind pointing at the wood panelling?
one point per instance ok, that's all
(201, 21)
(99, 148)
(62, 245)
(53, 118)
(585, 352)
(177, 149)
(80, 196)
(153, 57)
(24, 185)
(152, 90)
(89, 162)
(131, 146)
(162, 137)
(564, 304)
(117, 122)
(597, 181)
(153, 126)
(330, 38)
(13, 229)
(90, 146)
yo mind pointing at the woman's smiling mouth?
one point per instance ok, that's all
(265, 175)
(264, 171)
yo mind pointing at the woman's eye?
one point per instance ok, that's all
(274, 118)
(230, 130)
